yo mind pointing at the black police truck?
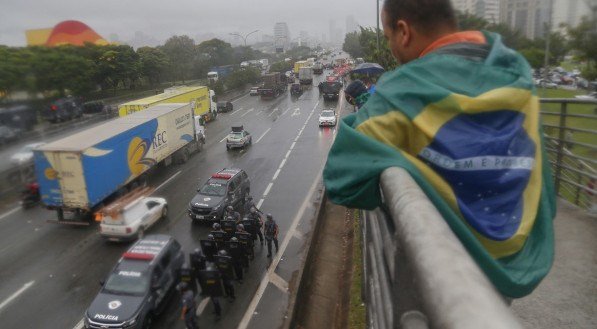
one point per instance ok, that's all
(139, 285)
(229, 186)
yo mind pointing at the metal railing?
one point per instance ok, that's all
(569, 126)
(417, 273)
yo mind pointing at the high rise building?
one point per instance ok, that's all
(570, 12)
(487, 9)
(530, 17)
(304, 38)
(351, 24)
(281, 35)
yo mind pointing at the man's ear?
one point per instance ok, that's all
(405, 32)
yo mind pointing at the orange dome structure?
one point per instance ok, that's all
(73, 33)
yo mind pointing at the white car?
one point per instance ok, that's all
(25, 154)
(591, 96)
(254, 91)
(131, 221)
(327, 118)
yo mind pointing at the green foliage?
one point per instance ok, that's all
(153, 63)
(216, 52)
(181, 52)
(582, 39)
(240, 78)
(352, 45)
(534, 56)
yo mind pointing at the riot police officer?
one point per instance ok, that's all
(211, 279)
(234, 214)
(197, 260)
(189, 307)
(248, 205)
(228, 226)
(271, 233)
(219, 235)
(224, 264)
(255, 215)
(239, 257)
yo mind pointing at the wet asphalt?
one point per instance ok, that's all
(50, 273)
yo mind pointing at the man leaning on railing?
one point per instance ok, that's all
(461, 115)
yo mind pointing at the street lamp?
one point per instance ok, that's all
(245, 37)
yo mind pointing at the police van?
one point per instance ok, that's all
(137, 288)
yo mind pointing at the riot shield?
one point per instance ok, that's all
(228, 226)
(237, 252)
(250, 226)
(187, 275)
(197, 261)
(210, 248)
(224, 264)
(220, 237)
(247, 242)
(211, 282)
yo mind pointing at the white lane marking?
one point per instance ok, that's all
(274, 111)
(247, 112)
(10, 212)
(259, 139)
(202, 306)
(282, 163)
(292, 146)
(285, 111)
(276, 174)
(238, 99)
(260, 203)
(287, 154)
(16, 294)
(240, 108)
(168, 180)
(79, 324)
(297, 111)
(269, 187)
(267, 277)
(279, 282)
(223, 139)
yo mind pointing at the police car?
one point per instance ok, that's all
(229, 186)
(139, 285)
(238, 138)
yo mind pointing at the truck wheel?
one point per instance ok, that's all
(165, 212)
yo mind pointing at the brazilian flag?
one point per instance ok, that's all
(464, 122)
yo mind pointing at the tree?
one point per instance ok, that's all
(534, 56)
(55, 69)
(216, 51)
(153, 63)
(13, 69)
(180, 51)
(352, 45)
(281, 66)
(582, 39)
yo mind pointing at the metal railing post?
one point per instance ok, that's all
(561, 137)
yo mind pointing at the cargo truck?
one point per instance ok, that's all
(201, 98)
(219, 72)
(318, 68)
(305, 76)
(274, 84)
(298, 65)
(80, 173)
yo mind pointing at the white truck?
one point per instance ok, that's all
(305, 75)
(80, 173)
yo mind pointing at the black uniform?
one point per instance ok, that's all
(271, 234)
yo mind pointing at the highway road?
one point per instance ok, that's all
(50, 273)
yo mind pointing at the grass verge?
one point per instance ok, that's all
(356, 313)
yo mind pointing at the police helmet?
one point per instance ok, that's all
(210, 267)
(269, 216)
(230, 208)
(223, 252)
(210, 236)
(249, 198)
(229, 218)
(240, 227)
(184, 286)
(253, 210)
(198, 251)
(216, 226)
(234, 239)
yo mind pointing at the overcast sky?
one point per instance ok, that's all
(164, 18)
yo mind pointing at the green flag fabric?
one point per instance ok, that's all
(464, 122)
